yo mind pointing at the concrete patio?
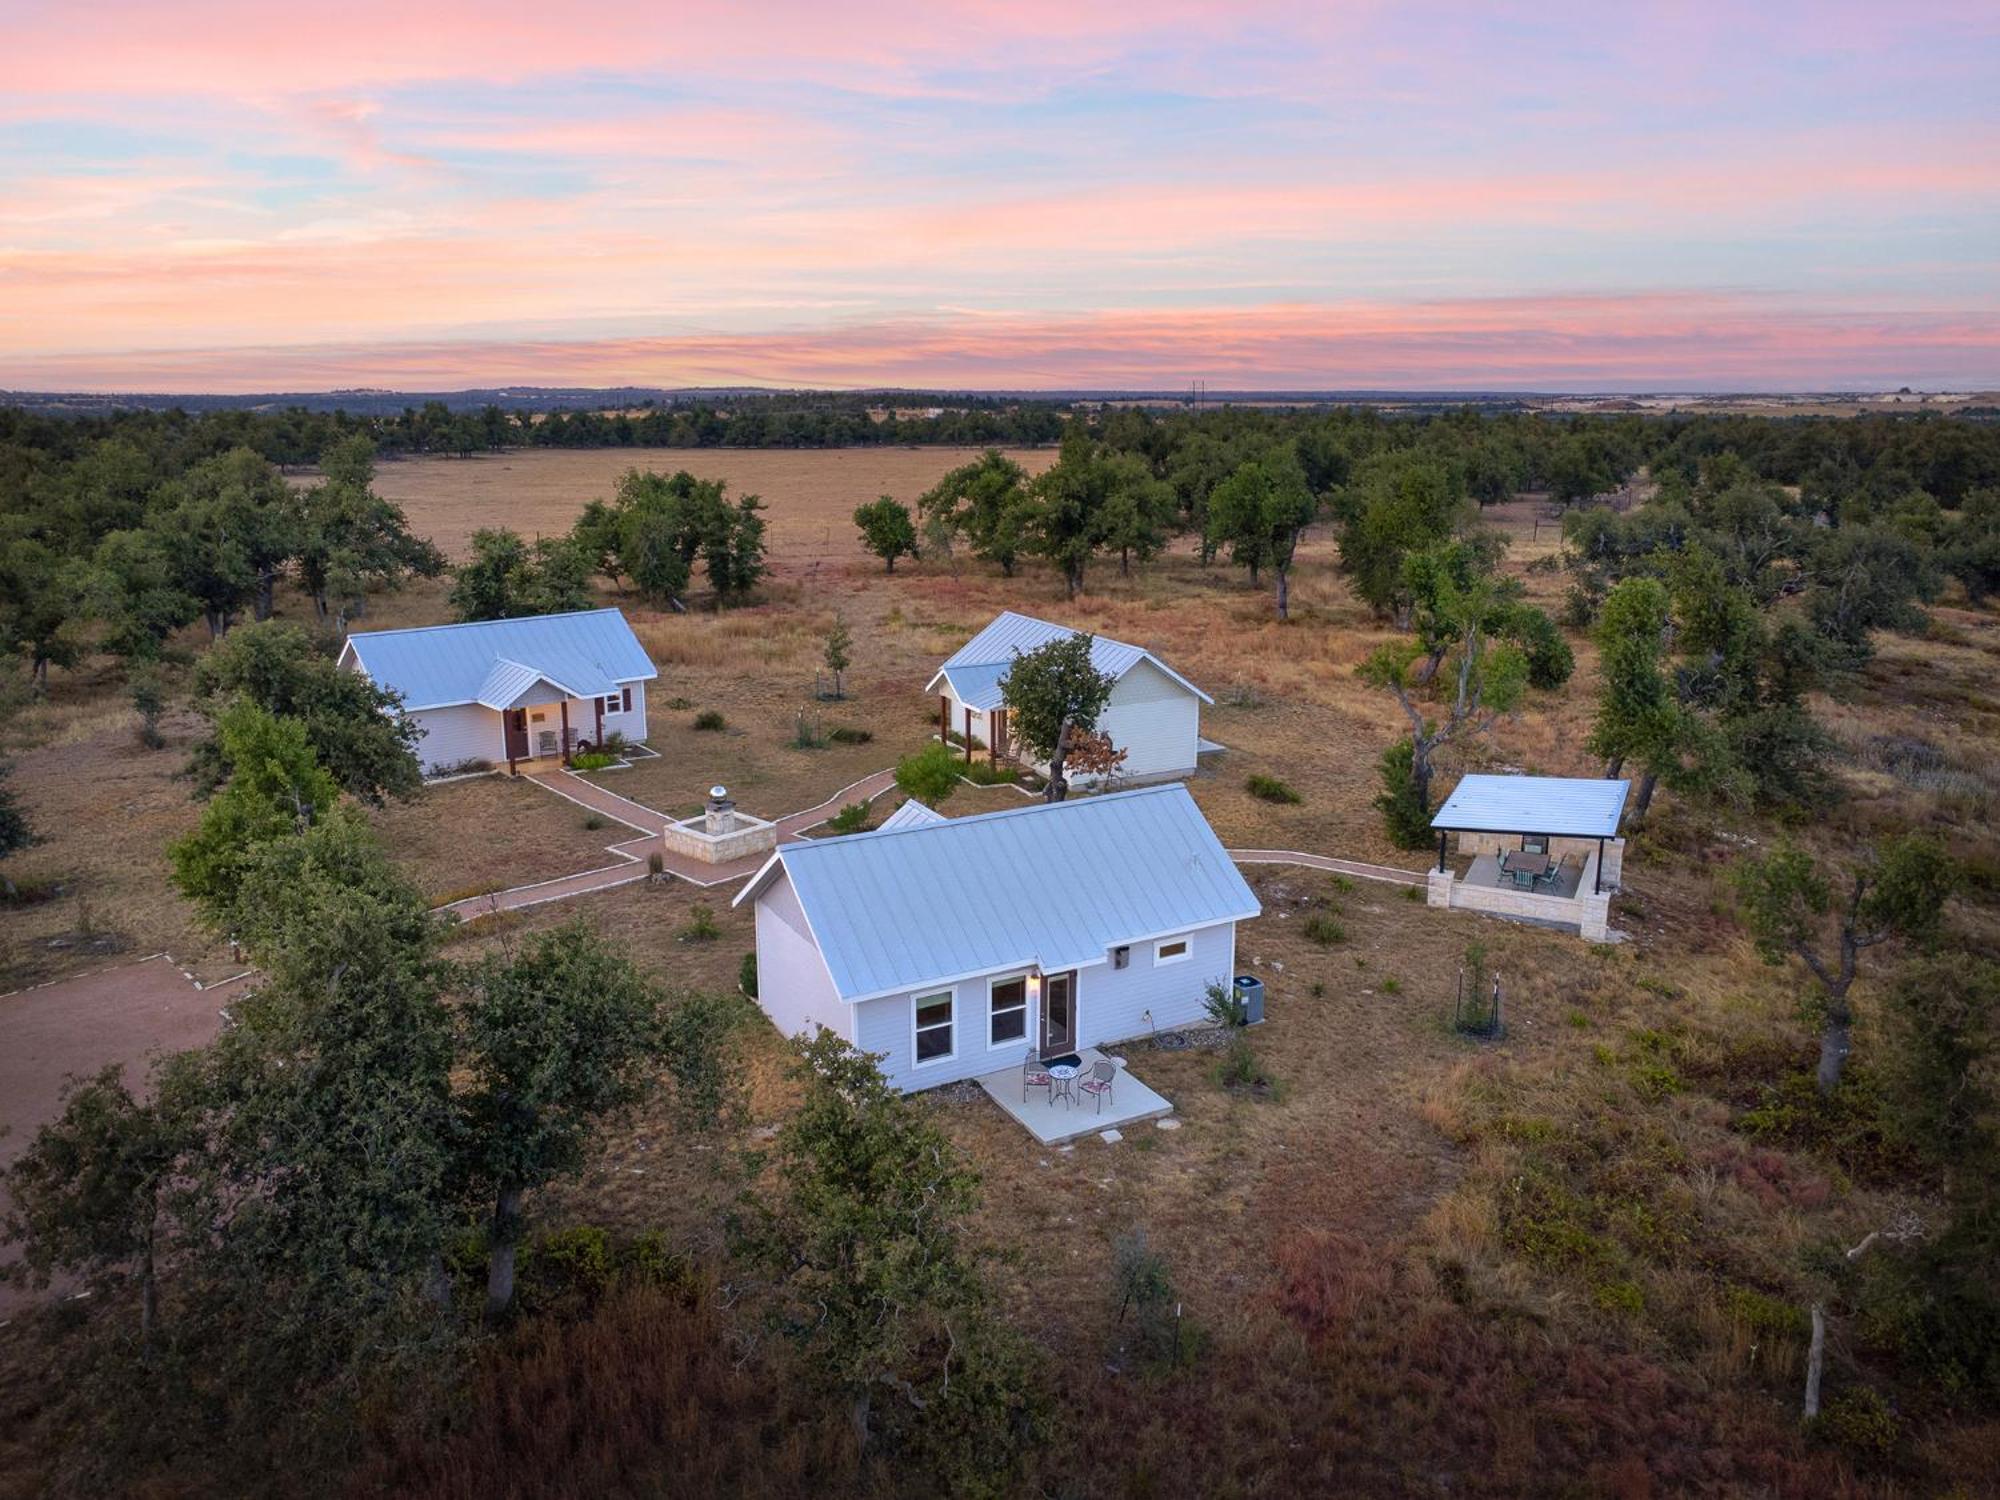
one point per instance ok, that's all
(1053, 1121)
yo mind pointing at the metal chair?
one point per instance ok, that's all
(1099, 1082)
(1035, 1076)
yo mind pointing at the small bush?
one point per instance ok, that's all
(573, 1262)
(1271, 789)
(592, 760)
(981, 773)
(592, 822)
(710, 720)
(847, 734)
(679, 705)
(1858, 1422)
(1392, 986)
(850, 819)
(1404, 815)
(701, 926)
(1223, 1006)
(472, 766)
(1148, 1309)
(746, 975)
(929, 775)
(1240, 1071)
(808, 734)
(1324, 929)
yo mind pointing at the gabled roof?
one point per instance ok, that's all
(912, 814)
(1574, 807)
(974, 670)
(904, 907)
(586, 654)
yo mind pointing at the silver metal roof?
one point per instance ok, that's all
(975, 669)
(434, 666)
(912, 814)
(1572, 806)
(1057, 885)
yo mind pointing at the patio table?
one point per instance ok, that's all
(1064, 1073)
(1525, 869)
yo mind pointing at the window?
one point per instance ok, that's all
(934, 1027)
(1007, 1005)
(1172, 951)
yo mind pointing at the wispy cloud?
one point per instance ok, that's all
(1293, 193)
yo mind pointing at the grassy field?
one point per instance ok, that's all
(1402, 1278)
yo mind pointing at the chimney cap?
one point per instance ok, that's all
(718, 792)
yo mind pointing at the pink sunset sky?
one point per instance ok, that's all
(230, 196)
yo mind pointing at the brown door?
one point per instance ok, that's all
(517, 734)
(1058, 1013)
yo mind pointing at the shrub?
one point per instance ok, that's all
(149, 699)
(746, 975)
(1270, 789)
(850, 819)
(592, 760)
(929, 775)
(1392, 986)
(808, 734)
(1223, 1006)
(1240, 1071)
(567, 1262)
(1148, 1309)
(701, 926)
(710, 719)
(847, 734)
(1859, 1422)
(471, 766)
(1322, 928)
(980, 773)
(592, 822)
(1403, 812)
(680, 705)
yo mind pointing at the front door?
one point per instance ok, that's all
(517, 734)
(1058, 1013)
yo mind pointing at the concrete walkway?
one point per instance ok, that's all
(1354, 867)
(633, 854)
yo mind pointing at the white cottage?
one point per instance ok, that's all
(506, 691)
(1154, 715)
(950, 946)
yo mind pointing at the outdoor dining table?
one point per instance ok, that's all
(1064, 1071)
(1524, 868)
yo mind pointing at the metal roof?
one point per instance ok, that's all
(994, 648)
(1575, 807)
(435, 666)
(912, 814)
(1056, 885)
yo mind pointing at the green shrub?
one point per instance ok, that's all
(847, 734)
(808, 734)
(850, 819)
(1324, 929)
(929, 775)
(1619, 1297)
(1223, 1006)
(1270, 789)
(649, 1259)
(1404, 815)
(1767, 1316)
(701, 926)
(1858, 1422)
(1392, 986)
(981, 773)
(592, 760)
(566, 1262)
(746, 975)
(592, 822)
(1241, 1072)
(710, 719)
(1147, 1314)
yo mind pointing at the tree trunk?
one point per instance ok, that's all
(149, 1299)
(1256, 576)
(1814, 1360)
(1420, 770)
(1284, 593)
(1073, 576)
(1058, 787)
(1836, 1040)
(1646, 784)
(1124, 562)
(1613, 766)
(267, 587)
(500, 1263)
(217, 622)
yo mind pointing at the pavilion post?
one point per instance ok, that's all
(1441, 839)
(1597, 875)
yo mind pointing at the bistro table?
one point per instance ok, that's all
(1525, 868)
(1064, 1071)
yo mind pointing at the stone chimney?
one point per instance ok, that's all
(721, 812)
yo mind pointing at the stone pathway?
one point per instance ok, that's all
(633, 854)
(1352, 867)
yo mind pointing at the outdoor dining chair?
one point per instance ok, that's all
(1035, 1076)
(1099, 1082)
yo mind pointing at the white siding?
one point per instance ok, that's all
(1112, 1006)
(633, 724)
(793, 986)
(452, 736)
(1155, 721)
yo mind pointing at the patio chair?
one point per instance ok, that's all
(1099, 1082)
(1551, 878)
(1035, 1076)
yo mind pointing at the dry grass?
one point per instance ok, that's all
(465, 837)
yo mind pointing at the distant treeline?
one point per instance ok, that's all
(1502, 452)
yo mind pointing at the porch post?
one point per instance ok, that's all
(944, 719)
(507, 738)
(1441, 838)
(565, 731)
(968, 736)
(598, 704)
(993, 738)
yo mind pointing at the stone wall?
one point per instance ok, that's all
(1589, 913)
(751, 836)
(1505, 843)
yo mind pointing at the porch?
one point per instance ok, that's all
(1052, 1120)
